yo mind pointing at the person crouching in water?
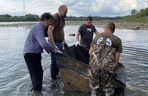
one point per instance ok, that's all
(104, 58)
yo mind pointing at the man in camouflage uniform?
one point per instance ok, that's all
(102, 74)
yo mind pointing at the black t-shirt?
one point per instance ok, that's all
(86, 33)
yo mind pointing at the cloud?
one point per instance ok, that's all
(125, 5)
(68, 2)
(9, 6)
(76, 7)
(38, 6)
(109, 7)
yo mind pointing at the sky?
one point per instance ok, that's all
(109, 8)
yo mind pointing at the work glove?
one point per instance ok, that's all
(56, 50)
(77, 43)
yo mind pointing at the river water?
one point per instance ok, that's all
(15, 80)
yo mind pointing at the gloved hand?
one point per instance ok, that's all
(59, 51)
(77, 43)
(56, 50)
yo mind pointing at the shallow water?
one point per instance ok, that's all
(15, 80)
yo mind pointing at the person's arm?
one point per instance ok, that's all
(96, 32)
(39, 36)
(117, 54)
(92, 45)
(78, 36)
(64, 41)
(50, 36)
(50, 31)
(116, 59)
(91, 50)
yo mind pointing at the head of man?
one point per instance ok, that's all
(62, 10)
(110, 27)
(88, 20)
(46, 18)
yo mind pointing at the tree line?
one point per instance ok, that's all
(139, 16)
(33, 17)
(27, 17)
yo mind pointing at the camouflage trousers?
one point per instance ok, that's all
(101, 82)
(101, 71)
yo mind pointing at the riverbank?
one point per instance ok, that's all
(120, 24)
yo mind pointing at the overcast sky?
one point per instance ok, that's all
(76, 7)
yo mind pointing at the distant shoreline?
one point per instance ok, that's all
(120, 24)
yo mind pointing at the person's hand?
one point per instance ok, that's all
(56, 50)
(115, 67)
(77, 43)
(59, 51)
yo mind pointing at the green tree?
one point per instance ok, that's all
(134, 12)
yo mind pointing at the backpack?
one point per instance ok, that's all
(46, 29)
(101, 63)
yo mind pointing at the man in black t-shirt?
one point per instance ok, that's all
(85, 33)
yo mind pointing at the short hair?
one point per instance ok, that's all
(62, 7)
(46, 15)
(89, 18)
(111, 26)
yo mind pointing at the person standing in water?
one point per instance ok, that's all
(34, 45)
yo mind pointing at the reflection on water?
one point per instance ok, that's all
(15, 80)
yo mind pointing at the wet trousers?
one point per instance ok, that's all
(33, 62)
(54, 70)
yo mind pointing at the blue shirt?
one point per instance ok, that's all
(36, 42)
